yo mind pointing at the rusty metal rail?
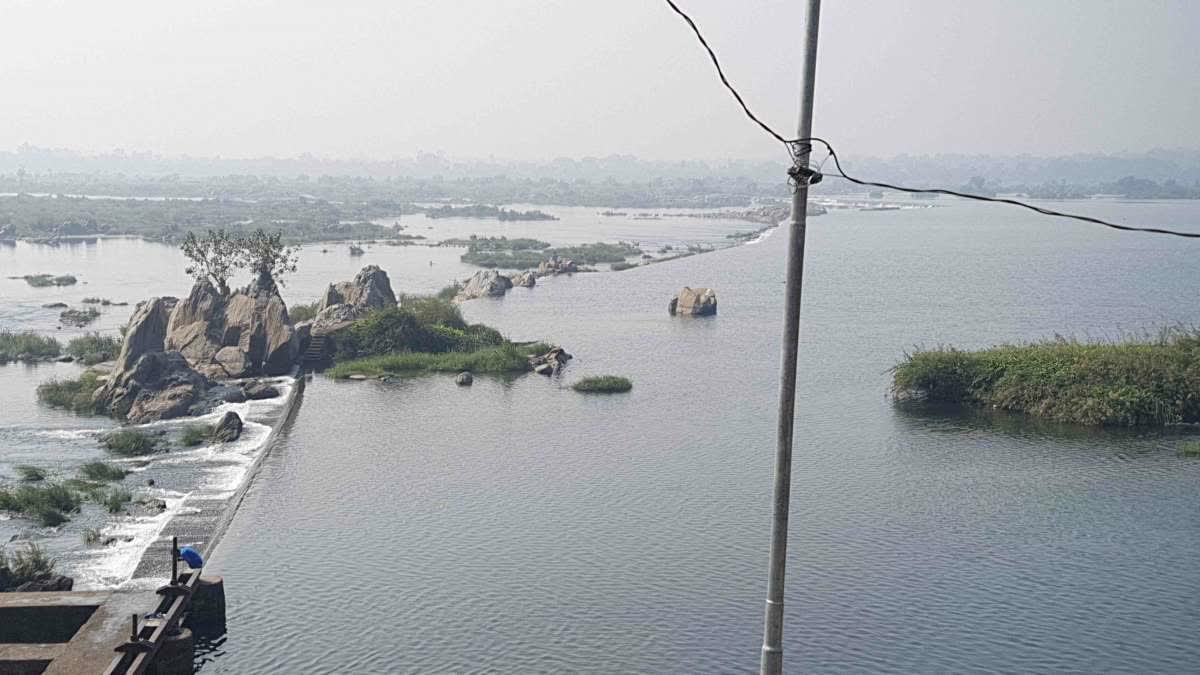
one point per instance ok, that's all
(145, 639)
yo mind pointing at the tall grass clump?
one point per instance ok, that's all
(1139, 381)
(30, 474)
(115, 500)
(74, 395)
(603, 384)
(93, 348)
(14, 344)
(130, 443)
(21, 566)
(195, 434)
(506, 358)
(48, 503)
(102, 471)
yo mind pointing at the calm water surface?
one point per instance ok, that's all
(516, 526)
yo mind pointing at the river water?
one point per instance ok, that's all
(517, 526)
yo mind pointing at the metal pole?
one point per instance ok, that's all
(772, 649)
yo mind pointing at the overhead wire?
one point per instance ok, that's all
(800, 148)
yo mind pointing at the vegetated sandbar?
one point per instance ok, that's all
(1151, 380)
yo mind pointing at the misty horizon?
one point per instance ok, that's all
(527, 81)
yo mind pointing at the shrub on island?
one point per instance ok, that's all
(1128, 383)
(603, 384)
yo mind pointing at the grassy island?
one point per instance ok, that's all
(426, 334)
(1148, 381)
(27, 344)
(603, 384)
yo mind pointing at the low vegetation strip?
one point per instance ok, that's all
(27, 344)
(603, 384)
(502, 359)
(1150, 381)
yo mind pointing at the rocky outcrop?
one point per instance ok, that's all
(228, 429)
(556, 265)
(370, 289)
(258, 390)
(484, 283)
(527, 279)
(145, 332)
(246, 333)
(694, 302)
(160, 385)
(550, 362)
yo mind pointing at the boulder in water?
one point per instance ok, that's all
(694, 302)
(464, 379)
(56, 582)
(229, 428)
(484, 283)
(525, 279)
(161, 385)
(258, 390)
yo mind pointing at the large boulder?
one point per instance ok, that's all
(229, 428)
(145, 332)
(370, 289)
(526, 279)
(694, 302)
(346, 302)
(243, 334)
(160, 385)
(556, 265)
(484, 283)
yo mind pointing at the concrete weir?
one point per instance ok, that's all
(78, 632)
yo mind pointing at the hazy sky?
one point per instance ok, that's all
(533, 79)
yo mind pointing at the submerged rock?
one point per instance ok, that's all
(550, 362)
(556, 265)
(57, 582)
(229, 428)
(484, 283)
(694, 302)
(258, 390)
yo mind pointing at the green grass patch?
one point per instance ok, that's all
(115, 500)
(603, 384)
(1146, 381)
(20, 566)
(47, 503)
(506, 358)
(74, 395)
(93, 348)
(1190, 449)
(102, 472)
(30, 474)
(131, 443)
(14, 344)
(195, 434)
